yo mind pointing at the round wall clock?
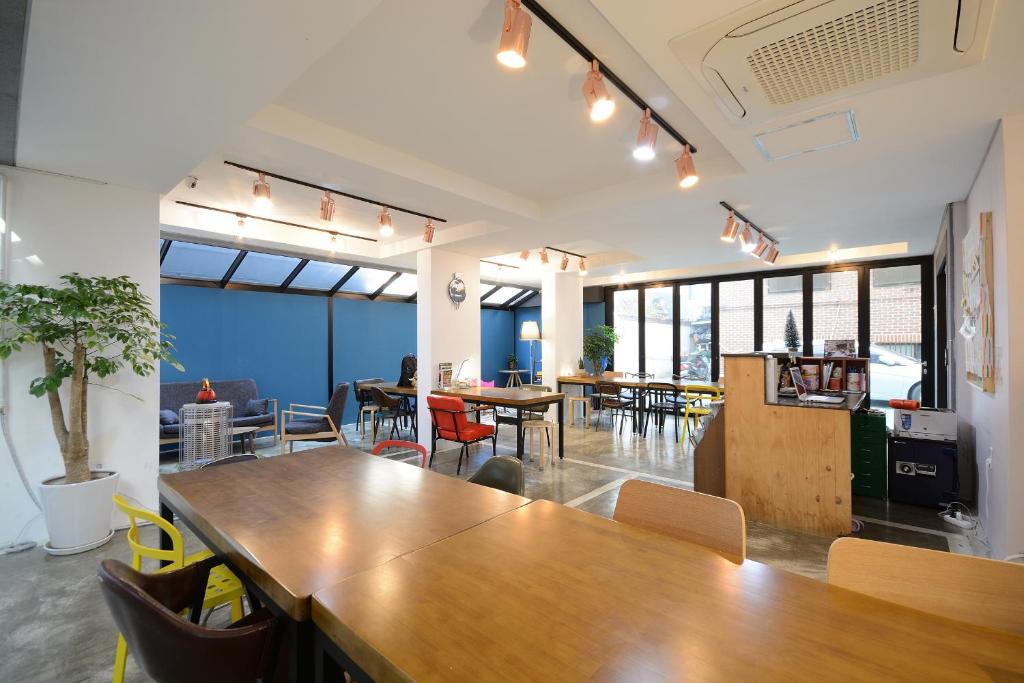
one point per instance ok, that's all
(456, 290)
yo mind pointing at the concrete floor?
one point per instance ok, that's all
(58, 629)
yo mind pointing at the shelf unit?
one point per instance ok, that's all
(863, 365)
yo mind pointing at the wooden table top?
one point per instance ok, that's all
(393, 388)
(551, 593)
(590, 380)
(503, 396)
(297, 523)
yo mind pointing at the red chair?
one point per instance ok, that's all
(391, 443)
(450, 421)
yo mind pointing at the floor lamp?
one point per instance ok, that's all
(530, 331)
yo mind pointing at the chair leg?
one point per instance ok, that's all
(494, 443)
(120, 657)
(236, 609)
(458, 469)
(433, 449)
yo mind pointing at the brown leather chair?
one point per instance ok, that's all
(169, 649)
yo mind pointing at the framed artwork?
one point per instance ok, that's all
(978, 327)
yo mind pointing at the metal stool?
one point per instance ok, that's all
(585, 400)
(542, 428)
(371, 409)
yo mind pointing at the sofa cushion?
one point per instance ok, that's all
(237, 392)
(310, 425)
(168, 417)
(170, 430)
(253, 420)
(257, 406)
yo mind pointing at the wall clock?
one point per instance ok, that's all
(457, 290)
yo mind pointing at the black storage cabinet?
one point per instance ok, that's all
(923, 472)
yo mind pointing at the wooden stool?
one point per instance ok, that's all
(545, 430)
(585, 400)
(372, 409)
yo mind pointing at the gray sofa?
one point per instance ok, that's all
(238, 392)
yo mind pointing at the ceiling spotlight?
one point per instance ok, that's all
(773, 253)
(601, 105)
(428, 231)
(525, 254)
(334, 242)
(685, 169)
(515, 36)
(384, 223)
(645, 139)
(241, 222)
(761, 248)
(731, 228)
(833, 254)
(565, 262)
(583, 266)
(326, 207)
(544, 255)
(261, 192)
(747, 239)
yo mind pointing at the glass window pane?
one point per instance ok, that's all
(502, 295)
(735, 318)
(895, 310)
(197, 261)
(695, 332)
(658, 332)
(835, 308)
(782, 296)
(320, 275)
(367, 280)
(264, 269)
(626, 324)
(405, 285)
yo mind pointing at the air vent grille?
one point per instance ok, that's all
(871, 42)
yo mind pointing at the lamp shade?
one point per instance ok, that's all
(529, 331)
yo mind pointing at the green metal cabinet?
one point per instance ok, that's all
(867, 454)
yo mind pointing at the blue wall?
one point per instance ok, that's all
(280, 340)
(593, 315)
(496, 334)
(522, 348)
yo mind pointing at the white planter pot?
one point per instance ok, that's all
(78, 515)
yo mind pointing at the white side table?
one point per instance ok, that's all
(205, 433)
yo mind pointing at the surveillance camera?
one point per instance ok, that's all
(193, 182)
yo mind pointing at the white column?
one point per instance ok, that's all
(444, 333)
(561, 302)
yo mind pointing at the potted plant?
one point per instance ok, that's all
(792, 336)
(87, 328)
(598, 345)
(582, 367)
(513, 362)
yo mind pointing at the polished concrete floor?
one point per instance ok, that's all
(56, 627)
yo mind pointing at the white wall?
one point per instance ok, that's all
(994, 423)
(444, 333)
(94, 229)
(561, 325)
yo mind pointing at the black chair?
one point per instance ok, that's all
(613, 400)
(391, 407)
(501, 472)
(663, 400)
(230, 460)
(170, 649)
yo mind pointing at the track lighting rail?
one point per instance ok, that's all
(563, 251)
(244, 215)
(744, 219)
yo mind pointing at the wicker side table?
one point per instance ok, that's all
(205, 433)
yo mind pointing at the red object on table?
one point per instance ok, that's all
(903, 403)
(206, 393)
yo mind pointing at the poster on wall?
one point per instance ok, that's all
(978, 327)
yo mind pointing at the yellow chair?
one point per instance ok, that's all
(697, 398)
(223, 587)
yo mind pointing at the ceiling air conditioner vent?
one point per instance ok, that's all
(874, 41)
(779, 57)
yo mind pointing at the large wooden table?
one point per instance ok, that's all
(292, 524)
(548, 593)
(519, 400)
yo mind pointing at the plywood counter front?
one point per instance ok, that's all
(788, 466)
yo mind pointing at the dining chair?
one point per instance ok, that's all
(364, 401)
(697, 400)
(306, 425)
(710, 521)
(450, 422)
(502, 472)
(663, 401)
(389, 407)
(613, 400)
(975, 590)
(407, 445)
(222, 588)
(170, 649)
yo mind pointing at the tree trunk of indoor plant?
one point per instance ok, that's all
(71, 432)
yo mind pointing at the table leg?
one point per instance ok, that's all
(300, 650)
(519, 433)
(561, 429)
(165, 539)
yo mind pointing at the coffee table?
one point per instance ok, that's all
(243, 433)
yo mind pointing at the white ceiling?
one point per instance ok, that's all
(406, 104)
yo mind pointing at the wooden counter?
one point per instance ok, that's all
(788, 466)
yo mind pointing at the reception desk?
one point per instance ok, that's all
(787, 463)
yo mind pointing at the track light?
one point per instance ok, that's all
(645, 139)
(747, 239)
(544, 256)
(326, 207)
(428, 231)
(565, 262)
(384, 223)
(773, 253)
(515, 36)
(261, 192)
(241, 223)
(731, 228)
(583, 266)
(761, 248)
(601, 105)
(525, 254)
(685, 170)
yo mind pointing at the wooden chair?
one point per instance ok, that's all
(710, 521)
(391, 407)
(976, 590)
(305, 425)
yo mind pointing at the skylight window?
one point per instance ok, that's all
(502, 295)
(197, 261)
(405, 285)
(264, 269)
(367, 280)
(320, 275)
